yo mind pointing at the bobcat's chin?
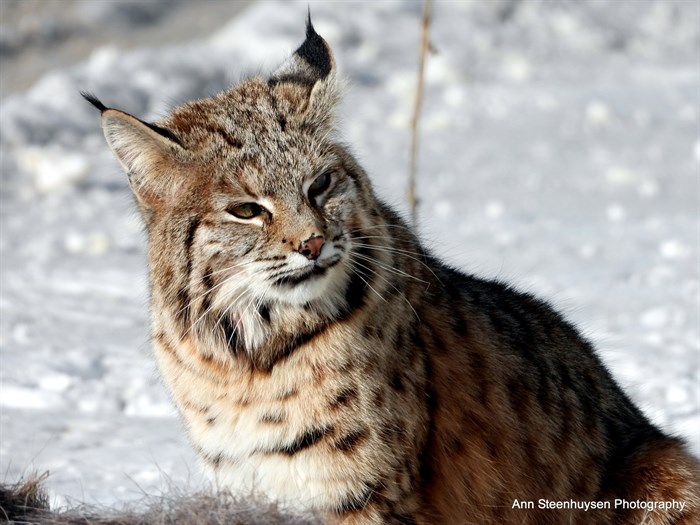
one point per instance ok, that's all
(319, 280)
(319, 285)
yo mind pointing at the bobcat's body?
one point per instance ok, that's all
(319, 356)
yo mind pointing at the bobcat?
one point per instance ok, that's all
(321, 357)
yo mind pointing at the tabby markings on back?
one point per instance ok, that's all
(321, 357)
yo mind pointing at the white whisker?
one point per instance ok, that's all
(390, 284)
(374, 226)
(388, 267)
(233, 267)
(404, 253)
(197, 297)
(226, 311)
(211, 307)
(400, 250)
(365, 281)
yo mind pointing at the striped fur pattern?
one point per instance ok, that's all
(321, 357)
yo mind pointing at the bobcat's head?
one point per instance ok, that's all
(250, 203)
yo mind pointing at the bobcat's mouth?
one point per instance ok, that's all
(308, 273)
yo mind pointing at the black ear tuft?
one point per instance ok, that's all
(92, 99)
(309, 26)
(311, 66)
(314, 50)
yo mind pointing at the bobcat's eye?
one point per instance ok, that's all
(249, 210)
(319, 185)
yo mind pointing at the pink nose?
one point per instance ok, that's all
(311, 247)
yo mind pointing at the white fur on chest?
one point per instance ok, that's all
(303, 481)
(306, 479)
(244, 453)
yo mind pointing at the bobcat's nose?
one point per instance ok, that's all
(311, 247)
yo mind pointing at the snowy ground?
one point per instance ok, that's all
(560, 151)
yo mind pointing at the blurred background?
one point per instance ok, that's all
(560, 151)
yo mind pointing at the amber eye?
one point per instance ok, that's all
(319, 185)
(249, 210)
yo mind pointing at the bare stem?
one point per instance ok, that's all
(418, 103)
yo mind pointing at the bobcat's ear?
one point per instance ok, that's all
(151, 156)
(307, 80)
(311, 62)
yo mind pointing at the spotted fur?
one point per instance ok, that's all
(320, 356)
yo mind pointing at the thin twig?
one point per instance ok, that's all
(418, 103)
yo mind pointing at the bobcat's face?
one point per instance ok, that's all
(250, 204)
(276, 221)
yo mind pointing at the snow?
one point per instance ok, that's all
(559, 151)
(52, 168)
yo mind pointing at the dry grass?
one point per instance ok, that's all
(26, 502)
